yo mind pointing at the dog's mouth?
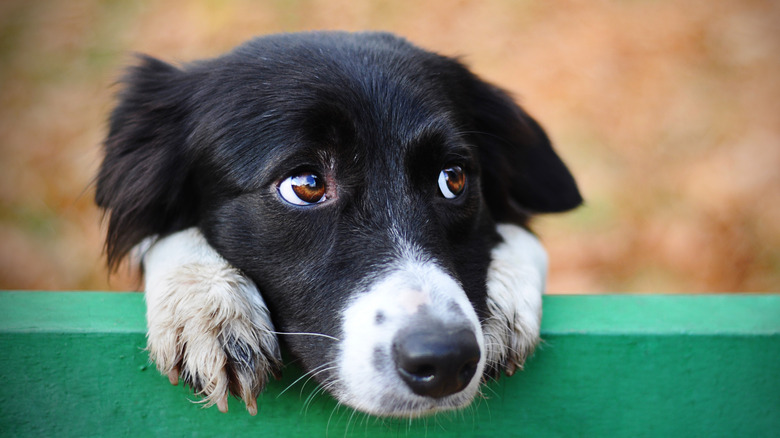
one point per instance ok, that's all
(412, 346)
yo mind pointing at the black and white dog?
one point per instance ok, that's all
(352, 197)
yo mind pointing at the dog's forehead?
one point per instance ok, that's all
(379, 74)
(291, 101)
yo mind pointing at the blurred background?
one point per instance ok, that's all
(667, 112)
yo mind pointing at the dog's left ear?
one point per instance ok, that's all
(521, 173)
(144, 184)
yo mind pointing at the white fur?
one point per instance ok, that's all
(516, 281)
(371, 383)
(193, 295)
(195, 302)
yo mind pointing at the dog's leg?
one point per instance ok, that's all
(207, 322)
(515, 282)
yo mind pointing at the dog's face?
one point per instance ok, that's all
(358, 181)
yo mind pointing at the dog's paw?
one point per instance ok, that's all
(515, 283)
(207, 322)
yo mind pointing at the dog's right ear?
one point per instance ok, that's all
(143, 182)
(521, 172)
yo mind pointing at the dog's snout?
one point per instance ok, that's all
(435, 361)
(412, 343)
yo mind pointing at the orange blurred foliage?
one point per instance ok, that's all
(668, 113)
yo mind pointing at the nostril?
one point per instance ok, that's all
(468, 370)
(435, 361)
(424, 373)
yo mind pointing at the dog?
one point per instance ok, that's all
(359, 201)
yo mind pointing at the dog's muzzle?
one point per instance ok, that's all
(412, 345)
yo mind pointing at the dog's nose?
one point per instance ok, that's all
(435, 361)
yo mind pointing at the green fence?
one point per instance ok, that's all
(72, 364)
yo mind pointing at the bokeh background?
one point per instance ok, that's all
(667, 112)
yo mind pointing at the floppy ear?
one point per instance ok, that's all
(143, 181)
(521, 173)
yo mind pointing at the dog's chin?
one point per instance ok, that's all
(408, 405)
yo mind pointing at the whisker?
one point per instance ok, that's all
(317, 391)
(304, 334)
(308, 374)
(320, 388)
(330, 417)
(484, 388)
(349, 421)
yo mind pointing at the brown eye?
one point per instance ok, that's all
(303, 189)
(452, 180)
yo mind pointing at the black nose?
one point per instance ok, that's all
(435, 361)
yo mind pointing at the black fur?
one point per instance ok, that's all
(207, 145)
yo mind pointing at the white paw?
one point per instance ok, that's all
(515, 282)
(207, 322)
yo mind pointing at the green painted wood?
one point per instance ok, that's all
(72, 364)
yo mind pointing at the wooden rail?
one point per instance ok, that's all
(73, 364)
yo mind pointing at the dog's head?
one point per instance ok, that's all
(358, 180)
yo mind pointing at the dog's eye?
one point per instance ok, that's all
(303, 189)
(452, 180)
